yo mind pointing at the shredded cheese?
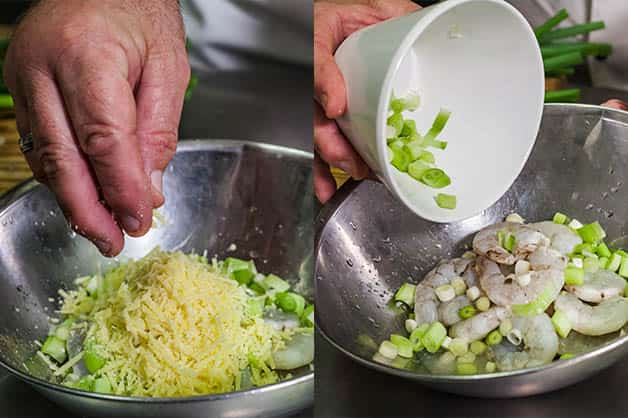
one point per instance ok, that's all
(173, 326)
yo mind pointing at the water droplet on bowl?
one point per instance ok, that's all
(349, 262)
(353, 226)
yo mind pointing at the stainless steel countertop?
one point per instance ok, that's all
(347, 389)
(270, 106)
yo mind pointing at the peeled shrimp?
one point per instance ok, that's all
(540, 344)
(598, 286)
(527, 239)
(478, 326)
(504, 290)
(426, 302)
(608, 316)
(448, 311)
(562, 238)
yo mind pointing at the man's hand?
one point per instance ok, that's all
(333, 22)
(615, 104)
(100, 84)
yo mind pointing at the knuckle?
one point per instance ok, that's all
(99, 140)
(53, 158)
(162, 145)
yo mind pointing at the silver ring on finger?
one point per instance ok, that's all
(26, 143)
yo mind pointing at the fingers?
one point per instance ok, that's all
(57, 161)
(102, 109)
(159, 103)
(332, 24)
(615, 104)
(334, 148)
(324, 183)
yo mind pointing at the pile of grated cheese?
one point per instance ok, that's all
(173, 326)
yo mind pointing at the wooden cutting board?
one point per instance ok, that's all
(13, 166)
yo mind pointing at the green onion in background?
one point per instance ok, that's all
(551, 23)
(567, 95)
(571, 31)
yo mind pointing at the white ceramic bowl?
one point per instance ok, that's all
(477, 58)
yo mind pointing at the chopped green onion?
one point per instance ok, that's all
(466, 369)
(256, 305)
(445, 293)
(466, 358)
(396, 121)
(551, 23)
(574, 275)
(602, 262)
(483, 304)
(307, 317)
(566, 356)
(388, 350)
(405, 294)
(623, 268)
(409, 128)
(505, 327)
(55, 348)
(404, 346)
(290, 302)
(602, 250)
(427, 157)
(467, 312)
(435, 178)
(571, 31)
(400, 159)
(562, 96)
(559, 218)
(416, 336)
(460, 287)
(102, 385)
(477, 347)
(509, 243)
(434, 337)
(93, 361)
(410, 103)
(493, 338)
(417, 169)
(614, 262)
(240, 270)
(445, 201)
(85, 383)
(515, 218)
(437, 127)
(591, 265)
(560, 71)
(592, 232)
(459, 346)
(501, 237)
(538, 305)
(257, 288)
(62, 332)
(490, 367)
(275, 283)
(561, 323)
(413, 149)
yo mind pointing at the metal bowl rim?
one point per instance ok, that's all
(337, 202)
(22, 189)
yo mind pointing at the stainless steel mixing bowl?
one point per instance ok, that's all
(218, 193)
(368, 244)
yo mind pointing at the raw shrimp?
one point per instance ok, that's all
(576, 343)
(540, 344)
(544, 258)
(426, 302)
(562, 238)
(527, 239)
(598, 286)
(504, 290)
(448, 311)
(478, 326)
(608, 316)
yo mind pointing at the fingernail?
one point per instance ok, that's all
(130, 224)
(344, 166)
(156, 178)
(103, 246)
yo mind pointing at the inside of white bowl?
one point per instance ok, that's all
(479, 60)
